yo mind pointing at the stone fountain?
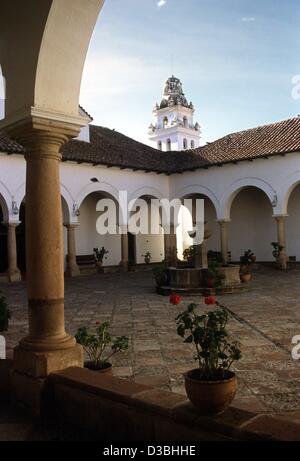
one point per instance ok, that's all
(193, 280)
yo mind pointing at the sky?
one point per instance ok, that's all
(236, 60)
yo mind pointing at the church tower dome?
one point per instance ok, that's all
(174, 128)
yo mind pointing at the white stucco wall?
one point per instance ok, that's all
(251, 213)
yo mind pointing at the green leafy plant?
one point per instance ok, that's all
(277, 249)
(246, 260)
(160, 274)
(95, 345)
(214, 258)
(4, 314)
(147, 257)
(100, 254)
(189, 254)
(215, 352)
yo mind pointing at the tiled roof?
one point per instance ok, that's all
(108, 147)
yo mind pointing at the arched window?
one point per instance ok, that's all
(185, 144)
(168, 144)
(185, 122)
(166, 121)
(159, 145)
(192, 144)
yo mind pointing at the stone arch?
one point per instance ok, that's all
(49, 76)
(233, 190)
(200, 190)
(5, 201)
(285, 191)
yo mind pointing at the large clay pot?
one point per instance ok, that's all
(210, 397)
(107, 370)
(245, 278)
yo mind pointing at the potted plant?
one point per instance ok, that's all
(160, 274)
(147, 257)
(212, 386)
(4, 315)
(246, 260)
(189, 254)
(95, 345)
(100, 255)
(277, 253)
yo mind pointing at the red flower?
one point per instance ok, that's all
(175, 299)
(98, 322)
(209, 300)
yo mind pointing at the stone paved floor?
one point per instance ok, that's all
(266, 318)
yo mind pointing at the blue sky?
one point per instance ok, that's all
(236, 59)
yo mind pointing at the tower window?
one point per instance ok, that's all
(168, 144)
(185, 144)
(166, 121)
(185, 122)
(192, 144)
(159, 145)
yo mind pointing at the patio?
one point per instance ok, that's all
(265, 320)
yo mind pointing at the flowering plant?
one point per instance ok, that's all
(215, 353)
(95, 344)
(175, 299)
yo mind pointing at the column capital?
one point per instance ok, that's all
(71, 224)
(223, 222)
(11, 223)
(280, 216)
(43, 133)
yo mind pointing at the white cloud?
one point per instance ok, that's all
(249, 19)
(161, 3)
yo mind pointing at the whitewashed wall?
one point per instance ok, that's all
(251, 213)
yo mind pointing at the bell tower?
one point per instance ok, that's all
(173, 127)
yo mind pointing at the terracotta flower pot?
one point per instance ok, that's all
(246, 277)
(106, 370)
(210, 397)
(210, 282)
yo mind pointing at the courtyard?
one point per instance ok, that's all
(265, 319)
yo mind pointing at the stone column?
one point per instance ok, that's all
(14, 274)
(224, 239)
(124, 251)
(47, 347)
(72, 267)
(170, 244)
(282, 260)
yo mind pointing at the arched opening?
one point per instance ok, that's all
(159, 145)
(151, 240)
(192, 144)
(185, 122)
(165, 122)
(293, 225)
(252, 226)
(186, 224)
(169, 145)
(87, 236)
(185, 144)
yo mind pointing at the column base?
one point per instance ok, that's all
(14, 276)
(72, 271)
(41, 364)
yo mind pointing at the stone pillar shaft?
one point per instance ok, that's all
(14, 274)
(124, 251)
(47, 347)
(224, 240)
(72, 269)
(281, 236)
(170, 244)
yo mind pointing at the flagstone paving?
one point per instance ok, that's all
(265, 319)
